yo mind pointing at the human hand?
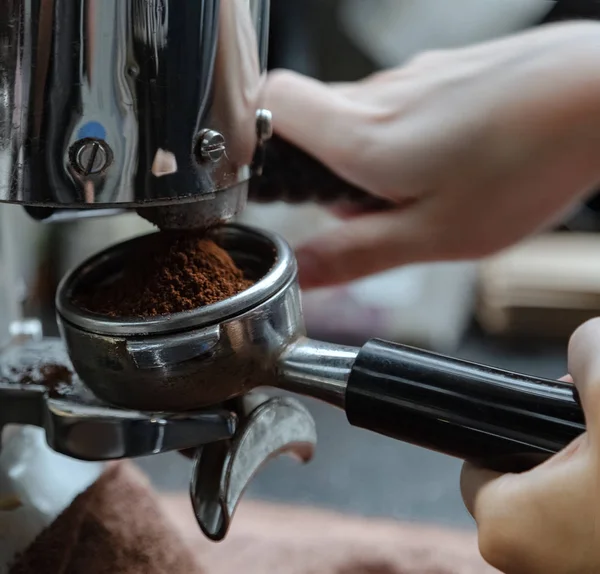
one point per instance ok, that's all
(547, 520)
(479, 147)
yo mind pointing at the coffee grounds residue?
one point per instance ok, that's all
(56, 378)
(181, 272)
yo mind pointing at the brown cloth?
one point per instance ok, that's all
(121, 525)
(116, 526)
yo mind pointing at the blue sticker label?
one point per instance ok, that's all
(92, 130)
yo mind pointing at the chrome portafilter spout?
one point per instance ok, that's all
(220, 352)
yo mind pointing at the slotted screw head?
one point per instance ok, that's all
(90, 156)
(211, 146)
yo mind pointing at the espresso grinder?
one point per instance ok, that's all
(155, 106)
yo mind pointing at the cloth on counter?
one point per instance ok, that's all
(116, 526)
(25, 457)
(121, 525)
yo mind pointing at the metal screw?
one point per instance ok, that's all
(264, 125)
(90, 156)
(211, 145)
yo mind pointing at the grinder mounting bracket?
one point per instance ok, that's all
(231, 441)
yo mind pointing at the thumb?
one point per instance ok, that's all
(584, 365)
(473, 479)
(363, 246)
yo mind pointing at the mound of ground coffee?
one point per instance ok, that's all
(181, 272)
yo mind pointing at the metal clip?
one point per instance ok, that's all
(264, 132)
(223, 470)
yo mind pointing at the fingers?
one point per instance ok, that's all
(532, 522)
(584, 366)
(496, 502)
(529, 522)
(364, 246)
(316, 117)
(472, 480)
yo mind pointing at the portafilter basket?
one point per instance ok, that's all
(199, 358)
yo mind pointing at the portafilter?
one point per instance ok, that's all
(195, 359)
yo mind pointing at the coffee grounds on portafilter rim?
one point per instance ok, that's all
(180, 272)
(53, 376)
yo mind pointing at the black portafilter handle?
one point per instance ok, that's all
(501, 420)
(284, 172)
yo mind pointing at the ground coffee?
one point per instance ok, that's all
(53, 376)
(180, 272)
(58, 379)
(41, 363)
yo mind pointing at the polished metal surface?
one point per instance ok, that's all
(192, 214)
(194, 359)
(77, 424)
(102, 103)
(106, 433)
(223, 470)
(317, 369)
(264, 125)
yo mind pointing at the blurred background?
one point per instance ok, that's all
(514, 310)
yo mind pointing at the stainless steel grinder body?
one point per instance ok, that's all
(129, 103)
